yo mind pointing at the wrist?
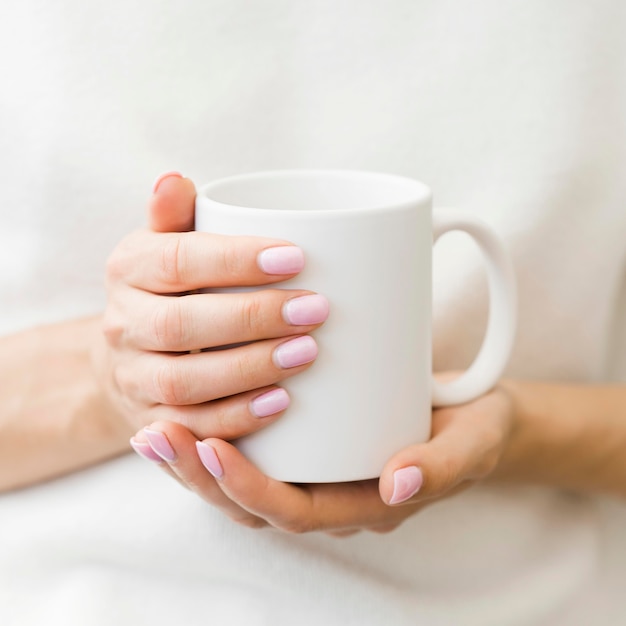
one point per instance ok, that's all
(55, 417)
(566, 436)
(541, 439)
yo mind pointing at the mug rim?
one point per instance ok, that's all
(417, 192)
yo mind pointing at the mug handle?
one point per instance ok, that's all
(493, 355)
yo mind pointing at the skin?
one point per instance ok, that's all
(465, 447)
(77, 391)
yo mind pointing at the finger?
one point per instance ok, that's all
(293, 508)
(465, 446)
(228, 418)
(154, 378)
(176, 446)
(171, 263)
(196, 321)
(140, 445)
(172, 205)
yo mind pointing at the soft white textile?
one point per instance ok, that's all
(510, 110)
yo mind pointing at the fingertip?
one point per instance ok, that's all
(407, 481)
(161, 445)
(226, 454)
(163, 177)
(270, 403)
(168, 439)
(295, 352)
(403, 475)
(172, 205)
(281, 260)
(210, 459)
(307, 310)
(144, 450)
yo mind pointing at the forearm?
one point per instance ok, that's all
(568, 436)
(53, 416)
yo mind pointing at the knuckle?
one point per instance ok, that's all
(114, 267)
(250, 314)
(222, 424)
(170, 384)
(113, 328)
(491, 440)
(172, 262)
(118, 262)
(168, 324)
(297, 525)
(231, 260)
(124, 380)
(447, 476)
(244, 371)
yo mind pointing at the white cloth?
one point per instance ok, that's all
(510, 110)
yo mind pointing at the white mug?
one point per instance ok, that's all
(367, 240)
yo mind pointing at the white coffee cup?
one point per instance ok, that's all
(367, 239)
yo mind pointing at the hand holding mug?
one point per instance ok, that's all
(467, 441)
(154, 362)
(467, 445)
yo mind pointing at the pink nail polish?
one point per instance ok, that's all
(281, 260)
(296, 352)
(162, 177)
(270, 403)
(159, 443)
(209, 459)
(306, 310)
(406, 483)
(144, 450)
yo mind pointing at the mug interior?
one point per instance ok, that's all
(317, 190)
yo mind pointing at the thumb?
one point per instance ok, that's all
(171, 207)
(466, 445)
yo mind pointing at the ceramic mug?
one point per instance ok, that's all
(367, 239)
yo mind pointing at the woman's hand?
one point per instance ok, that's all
(163, 356)
(467, 444)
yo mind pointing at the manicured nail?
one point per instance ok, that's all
(159, 443)
(209, 459)
(305, 310)
(270, 403)
(162, 177)
(295, 352)
(144, 450)
(281, 260)
(406, 483)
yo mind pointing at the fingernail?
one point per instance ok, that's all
(406, 483)
(209, 459)
(162, 177)
(270, 403)
(312, 309)
(281, 260)
(144, 450)
(159, 443)
(295, 352)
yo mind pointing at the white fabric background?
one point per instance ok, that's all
(510, 110)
